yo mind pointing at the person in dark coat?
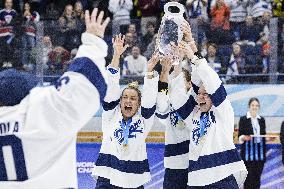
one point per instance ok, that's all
(253, 149)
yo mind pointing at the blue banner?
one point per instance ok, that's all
(87, 153)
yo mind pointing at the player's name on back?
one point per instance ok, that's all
(9, 127)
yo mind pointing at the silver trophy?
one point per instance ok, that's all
(170, 32)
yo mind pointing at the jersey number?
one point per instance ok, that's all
(18, 155)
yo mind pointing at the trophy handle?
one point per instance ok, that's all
(174, 4)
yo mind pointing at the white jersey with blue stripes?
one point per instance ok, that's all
(213, 156)
(125, 167)
(38, 136)
(176, 134)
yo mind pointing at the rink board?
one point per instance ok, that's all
(87, 153)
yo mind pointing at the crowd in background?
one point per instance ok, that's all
(233, 35)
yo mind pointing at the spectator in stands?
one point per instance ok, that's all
(58, 59)
(135, 64)
(220, 16)
(121, 14)
(86, 4)
(220, 26)
(149, 10)
(264, 23)
(148, 37)
(79, 11)
(7, 15)
(237, 62)
(282, 140)
(132, 29)
(129, 40)
(265, 58)
(250, 32)
(212, 59)
(257, 8)
(80, 16)
(278, 8)
(70, 29)
(198, 9)
(30, 18)
(253, 149)
(237, 16)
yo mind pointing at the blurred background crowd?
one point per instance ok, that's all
(241, 39)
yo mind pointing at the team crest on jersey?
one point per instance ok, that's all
(134, 129)
(176, 120)
(196, 131)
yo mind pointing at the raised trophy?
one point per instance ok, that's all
(170, 32)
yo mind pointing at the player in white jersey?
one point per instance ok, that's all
(38, 133)
(122, 162)
(214, 161)
(176, 133)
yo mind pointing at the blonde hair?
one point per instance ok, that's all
(135, 86)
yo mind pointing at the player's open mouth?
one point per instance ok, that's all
(128, 108)
(202, 104)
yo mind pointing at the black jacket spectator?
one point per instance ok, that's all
(245, 128)
(250, 31)
(70, 29)
(253, 153)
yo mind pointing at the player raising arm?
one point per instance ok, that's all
(214, 161)
(38, 134)
(126, 121)
(176, 133)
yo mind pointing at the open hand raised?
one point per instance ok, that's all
(118, 45)
(95, 25)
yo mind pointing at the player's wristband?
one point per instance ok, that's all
(197, 56)
(163, 87)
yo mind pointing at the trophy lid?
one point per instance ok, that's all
(174, 4)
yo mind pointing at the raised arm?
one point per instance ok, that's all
(163, 102)
(183, 101)
(112, 98)
(149, 94)
(76, 96)
(202, 73)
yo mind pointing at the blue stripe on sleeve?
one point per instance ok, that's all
(90, 70)
(214, 160)
(136, 167)
(112, 70)
(195, 88)
(177, 149)
(162, 116)
(187, 108)
(110, 105)
(148, 112)
(219, 96)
